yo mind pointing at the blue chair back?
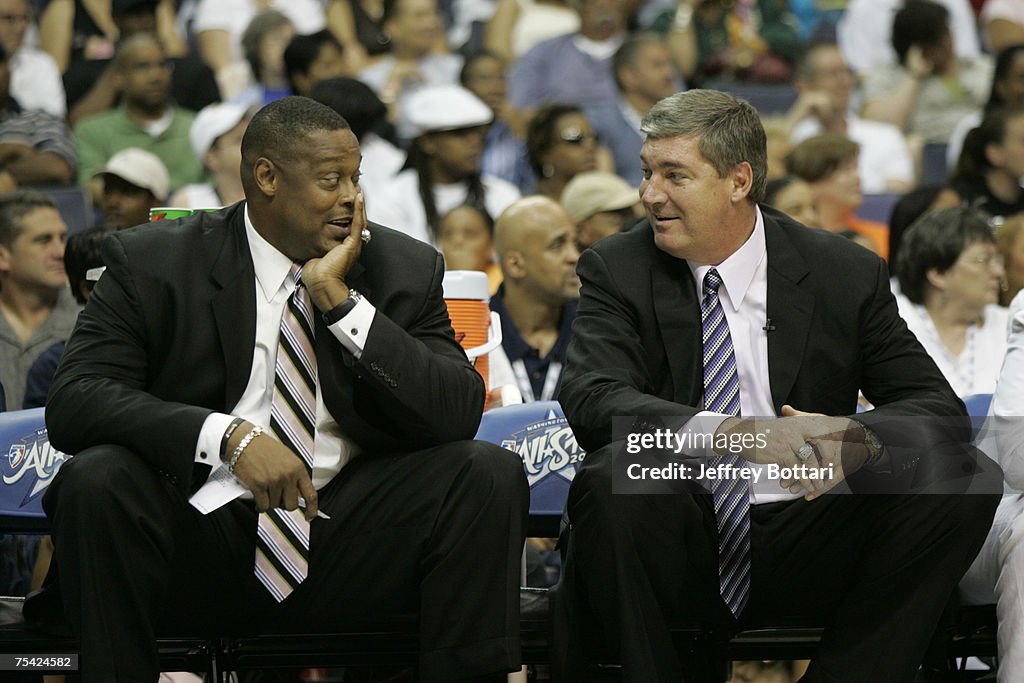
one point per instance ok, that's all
(978, 404)
(977, 408)
(27, 465)
(768, 98)
(878, 207)
(933, 164)
(539, 434)
(74, 205)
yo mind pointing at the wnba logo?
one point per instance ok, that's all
(16, 455)
(33, 462)
(547, 448)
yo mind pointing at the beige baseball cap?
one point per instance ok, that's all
(596, 191)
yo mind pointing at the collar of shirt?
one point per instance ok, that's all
(154, 128)
(737, 271)
(499, 132)
(516, 347)
(603, 49)
(271, 266)
(159, 127)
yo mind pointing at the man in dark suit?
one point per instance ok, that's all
(808, 321)
(174, 369)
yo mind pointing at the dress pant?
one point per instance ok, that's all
(875, 570)
(436, 534)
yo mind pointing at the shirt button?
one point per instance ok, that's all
(202, 454)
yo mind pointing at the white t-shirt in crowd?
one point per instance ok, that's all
(398, 204)
(884, 154)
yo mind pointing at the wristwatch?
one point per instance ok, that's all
(344, 308)
(873, 444)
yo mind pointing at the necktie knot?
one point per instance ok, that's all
(296, 274)
(712, 281)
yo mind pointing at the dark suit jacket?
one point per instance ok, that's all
(168, 335)
(637, 347)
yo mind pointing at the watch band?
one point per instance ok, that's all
(344, 308)
(872, 443)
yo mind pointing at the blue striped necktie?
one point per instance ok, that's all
(282, 538)
(731, 494)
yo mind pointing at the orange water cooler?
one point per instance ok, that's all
(477, 329)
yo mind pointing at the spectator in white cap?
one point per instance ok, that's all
(442, 170)
(601, 203)
(134, 181)
(216, 140)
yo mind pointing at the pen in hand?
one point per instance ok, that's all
(319, 513)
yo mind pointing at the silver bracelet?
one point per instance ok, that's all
(240, 448)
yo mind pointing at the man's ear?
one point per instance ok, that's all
(742, 175)
(209, 160)
(513, 264)
(627, 78)
(5, 259)
(266, 174)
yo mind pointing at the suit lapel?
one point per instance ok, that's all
(675, 305)
(235, 316)
(790, 309)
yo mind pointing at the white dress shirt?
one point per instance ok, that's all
(332, 449)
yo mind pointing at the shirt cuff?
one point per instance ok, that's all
(210, 436)
(351, 330)
(701, 429)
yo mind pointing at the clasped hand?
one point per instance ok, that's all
(837, 443)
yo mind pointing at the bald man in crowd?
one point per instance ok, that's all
(535, 240)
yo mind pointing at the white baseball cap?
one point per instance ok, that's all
(140, 168)
(211, 122)
(444, 107)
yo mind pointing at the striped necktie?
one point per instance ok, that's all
(730, 494)
(282, 539)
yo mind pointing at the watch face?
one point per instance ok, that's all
(872, 441)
